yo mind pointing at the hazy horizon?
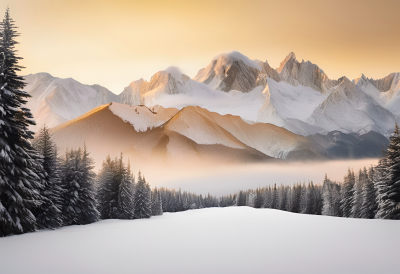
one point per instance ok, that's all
(224, 179)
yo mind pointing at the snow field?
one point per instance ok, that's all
(213, 240)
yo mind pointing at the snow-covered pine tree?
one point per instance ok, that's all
(80, 204)
(20, 183)
(274, 197)
(295, 198)
(389, 186)
(241, 199)
(331, 198)
(142, 198)
(268, 197)
(259, 199)
(229, 200)
(50, 213)
(347, 193)
(156, 203)
(115, 192)
(309, 203)
(125, 192)
(251, 197)
(303, 198)
(318, 200)
(357, 199)
(282, 197)
(107, 190)
(369, 206)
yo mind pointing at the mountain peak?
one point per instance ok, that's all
(345, 82)
(230, 57)
(174, 72)
(291, 55)
(230, 71)
(290, 58)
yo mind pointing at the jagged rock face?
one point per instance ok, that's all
(387, 83)
(231, 71)
(303, 73)
(238, 76)
(266, 72)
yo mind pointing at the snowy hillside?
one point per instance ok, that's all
(214, 240)
(143, 118)
(55, 100)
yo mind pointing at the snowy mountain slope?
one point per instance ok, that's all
(55, 100)
(232, 71)
(111, 130)
(284, 101)
(143, 118)
(385, 91)
(132, 94)
(206, 127)
(195, 124)
(206, 241)
(349, 109)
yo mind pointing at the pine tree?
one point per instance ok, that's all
(251, 198)
(389, 185)
(347, 193)
(115, 190)
(126, 193)
(357, 199)
(274, 197)
(303, 198)
(20, 171)
(369, 206)
(331, 198)
(310, 202)
(268, 197)
(241, 199)
(50, 213)
(259, 199)
(142, 198)
(156, 203)
(295, 198)
(107, 192)
(80, 204)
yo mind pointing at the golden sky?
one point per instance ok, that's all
(113, 42)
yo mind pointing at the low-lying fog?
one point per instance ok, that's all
(224, 179)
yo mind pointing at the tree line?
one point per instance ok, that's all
(372, 193)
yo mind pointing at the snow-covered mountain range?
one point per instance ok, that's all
(142, 133)
(193, 134)
(298, 96)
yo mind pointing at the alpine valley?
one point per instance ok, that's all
(235, 109)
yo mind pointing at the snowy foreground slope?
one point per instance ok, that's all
(214, 240)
